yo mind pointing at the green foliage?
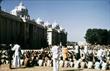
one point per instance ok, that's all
(108, 37)
(98, 36)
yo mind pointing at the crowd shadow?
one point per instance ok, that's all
(73, 70)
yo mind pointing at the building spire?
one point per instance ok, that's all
(21, 3)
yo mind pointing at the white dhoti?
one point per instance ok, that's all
(16, 61)
(90, 64)
(104, 66)
(55, 64)
(40, 62)
(16, 56)
(55, 52)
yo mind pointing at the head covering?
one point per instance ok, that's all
(16, 45)
(76, 47)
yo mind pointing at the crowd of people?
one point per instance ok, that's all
(79, 57)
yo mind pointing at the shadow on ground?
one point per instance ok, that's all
(73, 70)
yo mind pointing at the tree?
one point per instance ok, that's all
(91, 36)
(97, 36)
(108, 41)
(102, 36)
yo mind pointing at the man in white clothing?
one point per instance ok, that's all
(104, 65)
(85, 49)
(90, 64)
(97, 64)
(99, 54)
(55, 53)
(16, 56)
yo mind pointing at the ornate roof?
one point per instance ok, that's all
(21, 7)
(39, 21)
(21, 11)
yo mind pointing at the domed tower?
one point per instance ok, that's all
(40, 21)
(21, 11)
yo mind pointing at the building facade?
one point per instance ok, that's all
(17, 27)
(56, 35)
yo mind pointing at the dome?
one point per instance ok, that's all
(61, 28)
(21, 11)
(54, 25)
(21, 7)
(39, 21)
(57, 26)
(46, 23)
(14, 11)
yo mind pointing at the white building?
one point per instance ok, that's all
(21, 11)
(52, 33)
(34, 30)
(56, 35)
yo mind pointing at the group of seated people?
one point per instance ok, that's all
(36, 58)
(44, 58)
(89, 60)
(82, 63)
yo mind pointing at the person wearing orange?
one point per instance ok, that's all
(65, 52)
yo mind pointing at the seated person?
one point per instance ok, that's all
(49, 62)
(83, 63)
(76, 63)
(97, 64)
(40, 61)
(26, 61)
(90, 64)
(66, 63)
(71, 62)
(104, 65)
(61, 62)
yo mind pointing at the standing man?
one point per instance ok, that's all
(55, 55)
(99, 54)
(65, 52)
(16, 56)
(77, 52)
(86, 52)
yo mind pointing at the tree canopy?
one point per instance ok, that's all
(98, 36)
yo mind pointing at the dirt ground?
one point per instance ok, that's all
(5, 67)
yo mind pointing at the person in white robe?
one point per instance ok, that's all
(85, 49)
(99, 55)
(49, 63)
(76, 63)
(66, 63)
(90, 64)
(55, 56)
(104, 65)
(83, 64)
(40, 62)
(61, 62)
(86, 52)
(97, 64)
(16, 56)
(71, 63)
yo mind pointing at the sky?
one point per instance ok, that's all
(75, 16)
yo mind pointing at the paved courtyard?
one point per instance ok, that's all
(36, 68)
